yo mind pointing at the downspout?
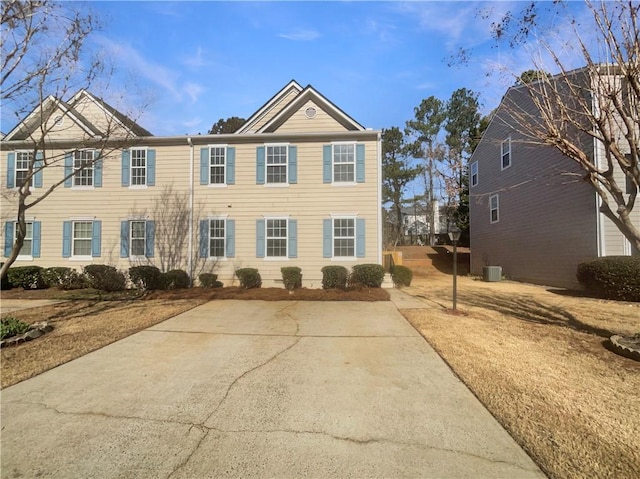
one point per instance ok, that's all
(380, 245)
(190, 247)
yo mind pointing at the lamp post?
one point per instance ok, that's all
(454, 236)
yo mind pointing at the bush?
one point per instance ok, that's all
(612, 277)
(367, 275)
(105, 278)
(401, 276)
(291, 277)
(249, 278)
(11, 326)
(146, 278)
(28, 277)
(63, 277)
(209, 280)
(5, 284)
(176, 279)
(334, 277)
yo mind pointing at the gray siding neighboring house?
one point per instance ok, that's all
(530, 212)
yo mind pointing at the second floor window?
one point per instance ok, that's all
(277, 164)
(83, 162)
(23, 159)
(344, 162)
(138, 167)
(217, 165)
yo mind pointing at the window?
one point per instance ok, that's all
(138, 167)
(31, 245)
(344, 163)
(83, 168)
(506, 153)
(138, 238)
(82, 233)
(81, 238)
(344, 237)
(493, 208)
(28, 238)
(276, 164)
(23, 160)
(217, 165)
(474, 173)
(216, 238)
(276, 238)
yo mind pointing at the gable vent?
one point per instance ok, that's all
(310, 112)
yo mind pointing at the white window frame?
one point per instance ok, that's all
(27, 237)
(266, 164)
(144, 239)
(29, 160)
(492, 208)
(79, 175)
(267, 238)
(333, 237)
(132, 152)
(83, 257)
(334, 163)
(473, 172)
(223, 238)
(223, 165)
(506, 153)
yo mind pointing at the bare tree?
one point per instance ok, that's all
(45, 60)
(597, 104)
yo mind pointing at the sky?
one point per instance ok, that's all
(181, 66)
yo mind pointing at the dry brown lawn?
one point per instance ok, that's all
(535, 358)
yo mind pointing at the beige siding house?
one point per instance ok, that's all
(297, 185)
(530, 213)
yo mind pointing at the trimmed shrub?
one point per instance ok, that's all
(209, 280)
(176, 279)
(146, 278)
(367, 275)
(291, 277)
(334, 277)
(249, 278)
(105, 278)
(28, 277)
(612, 277)
(11, 326)
(63, 277)
(401, 275)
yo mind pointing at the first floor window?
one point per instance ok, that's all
(216, 238)
(506, 153)
(276, 238)
(217, 164)
(28, 239)
(23, 159)
(493, 207)
(138, 238)
(83, 167)
(277, 164)
(82, 233)
(344, 237)
(344, 163)
(474, 173)
(138, 167)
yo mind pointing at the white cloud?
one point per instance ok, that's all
(193, 90)
(196, 60)
(300, 34)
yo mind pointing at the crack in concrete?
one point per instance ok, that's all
(283, 312)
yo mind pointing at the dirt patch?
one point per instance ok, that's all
(536, 359)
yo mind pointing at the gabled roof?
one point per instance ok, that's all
(270, 105)
(309, 93)
(28, 126)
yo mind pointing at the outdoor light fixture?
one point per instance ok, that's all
(454, 236)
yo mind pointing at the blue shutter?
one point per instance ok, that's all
(326, 163)
(151, 167)
(231, 165)
(68, 170)
(124, 239)
(66, 239)
(8, 238)
(97, 173)
(293, 164)
(126, 155)
(260, 239)
(230, 243)
(96, 239)
(327, 238)
(37, 165)
(150, 238)
(204, 166)
(204, 238)
(35, 239)
(360, 238)
(260, 165)
(293, 238)
(360, 163)
(11, 170)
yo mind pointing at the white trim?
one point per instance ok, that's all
(266, 238)
(379, 208)
(146, 165)
(343, 215)
(277, 98)
(224, 165)
(355, 237)
(497, 209)
(266, 164)
(73, 101)
(333, 163)
(224, 237)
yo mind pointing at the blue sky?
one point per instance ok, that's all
(191, 63)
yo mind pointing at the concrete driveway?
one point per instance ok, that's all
(258, 389)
